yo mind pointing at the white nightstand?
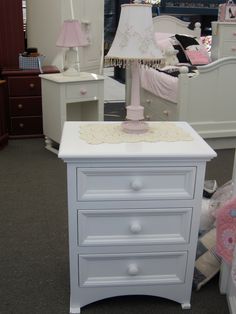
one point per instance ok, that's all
(70, 98)
(134, 211)
(223, 40)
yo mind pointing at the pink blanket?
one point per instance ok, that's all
(226, 230)
(159, 84)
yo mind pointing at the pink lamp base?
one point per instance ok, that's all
(135, 127)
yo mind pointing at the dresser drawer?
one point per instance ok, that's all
(132, 269)
(83, 91)
(95, 184)
(26, 125)
(229, 49)
(139, 226)
(25, 106)
(229, 32)
(24, 86)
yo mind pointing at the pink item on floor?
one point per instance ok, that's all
(226, 230)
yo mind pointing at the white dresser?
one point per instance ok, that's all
(223, 40)
(134, 211)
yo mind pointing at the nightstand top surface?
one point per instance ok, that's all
(61, 78)
(73, 147)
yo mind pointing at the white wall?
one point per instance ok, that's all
(44, 21)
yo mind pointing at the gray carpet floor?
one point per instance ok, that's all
(34, 272)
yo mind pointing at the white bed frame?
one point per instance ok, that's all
(207, 101)
(171, 24)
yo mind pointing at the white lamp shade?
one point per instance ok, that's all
(71, 35)
(134, 39)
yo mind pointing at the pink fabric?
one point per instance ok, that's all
(197, 57)
(160, 36)
(168, 51)
(164, 44)
(226, 230)
(158, 83)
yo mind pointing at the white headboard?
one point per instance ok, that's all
(171, 24)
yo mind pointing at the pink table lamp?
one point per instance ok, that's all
(134, 44)
(71, 36)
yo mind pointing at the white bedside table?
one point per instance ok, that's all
(70, 98)
(134, 211)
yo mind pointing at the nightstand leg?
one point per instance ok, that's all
(75, 310)
(50, 145)
(186, 306)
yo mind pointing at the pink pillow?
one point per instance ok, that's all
(164, 44)
(197, 57)
(159, 36)
(168, 51)
(197, 54)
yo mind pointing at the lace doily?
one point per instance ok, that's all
(113, 133)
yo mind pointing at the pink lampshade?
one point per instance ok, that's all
(71, 35)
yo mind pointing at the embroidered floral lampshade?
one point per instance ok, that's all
(134, 44)
(71, 36)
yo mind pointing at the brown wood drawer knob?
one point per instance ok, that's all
(31, 85)
(20, 106)
(21, 125)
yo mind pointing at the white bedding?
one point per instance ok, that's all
(158, 83)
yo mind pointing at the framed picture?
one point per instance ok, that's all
(230, 13)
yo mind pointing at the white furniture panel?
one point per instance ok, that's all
(135, 183)
(223, 40)
(136, 226)
(126, 269)
(128, 238)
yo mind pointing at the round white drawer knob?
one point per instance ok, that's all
(135, 227)
(136, 185)
(133, 269)
(83, 92)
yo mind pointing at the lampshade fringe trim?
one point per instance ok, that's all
(123, 63)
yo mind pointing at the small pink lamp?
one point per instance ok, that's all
(71, 36)
(134, 44)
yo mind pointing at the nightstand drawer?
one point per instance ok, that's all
(129, 227)
(25, 106)
(94, 184)
(82, 91)
(26, 125)
(132, 269)
(24, 86)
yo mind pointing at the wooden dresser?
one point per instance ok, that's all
(3, 115)
(24, 101)
(134, 211)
